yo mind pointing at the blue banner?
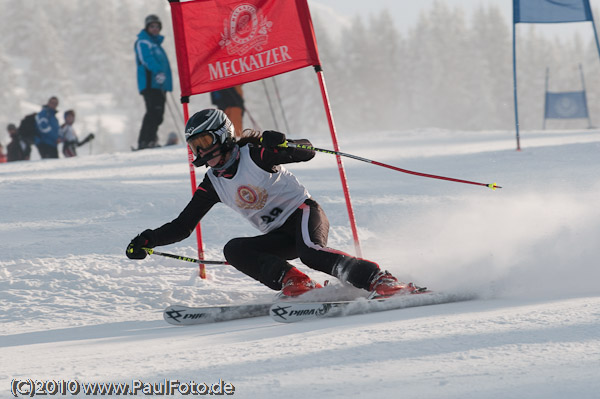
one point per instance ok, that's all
(566, 105)
(551, 11)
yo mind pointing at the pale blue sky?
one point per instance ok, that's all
(406, 12)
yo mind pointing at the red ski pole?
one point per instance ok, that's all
(493, 186)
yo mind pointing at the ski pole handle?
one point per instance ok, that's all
(151, 251)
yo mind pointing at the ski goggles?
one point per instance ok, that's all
(205, 139)
(202, 141)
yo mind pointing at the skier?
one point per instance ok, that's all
(69, 137)
(247, 176)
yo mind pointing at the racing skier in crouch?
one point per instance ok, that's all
(247, 176)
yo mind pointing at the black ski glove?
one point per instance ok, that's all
(89, 137)
(271, 138)
(134, 249)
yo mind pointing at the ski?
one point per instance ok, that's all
(181, 315)
(291, 312)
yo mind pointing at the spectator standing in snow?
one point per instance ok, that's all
(18, 149)
(231, 101)
(69, 137)
(154, 79)
(247, 175)
(2, 154)
(48, 128)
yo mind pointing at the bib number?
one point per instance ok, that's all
(270, 218)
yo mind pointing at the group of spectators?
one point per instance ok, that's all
(154, 78)
(43, 131)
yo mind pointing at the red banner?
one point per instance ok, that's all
(223, 43)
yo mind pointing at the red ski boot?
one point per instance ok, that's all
(384, 285)
(297, 283)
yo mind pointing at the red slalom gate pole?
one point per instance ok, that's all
(339, 160)
(493, 186)
(201, 266)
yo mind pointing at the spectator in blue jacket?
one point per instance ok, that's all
(48, 128)
(154, 79)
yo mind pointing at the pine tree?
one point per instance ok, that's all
(10, 112)
(387, 72)
(355, 53)
(49, 69)
(490, 86)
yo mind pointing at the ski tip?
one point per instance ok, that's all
(494, 186)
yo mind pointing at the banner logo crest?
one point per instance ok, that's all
(246, 29)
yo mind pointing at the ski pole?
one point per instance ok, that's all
(151, 251)
(179, 134)
(270, 104)
(175, 106)
(254, 123)
(493, 186)
(280, 104)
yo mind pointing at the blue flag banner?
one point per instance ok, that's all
(566, 105)
(551, 11)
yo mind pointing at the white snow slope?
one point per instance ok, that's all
(74, 308)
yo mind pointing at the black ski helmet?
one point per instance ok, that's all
(151, 19)
(214, 122)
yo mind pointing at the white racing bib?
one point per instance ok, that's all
(265, 199)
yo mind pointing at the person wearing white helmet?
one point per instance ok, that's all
(247, 175)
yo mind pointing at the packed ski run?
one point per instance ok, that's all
(74, 307)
